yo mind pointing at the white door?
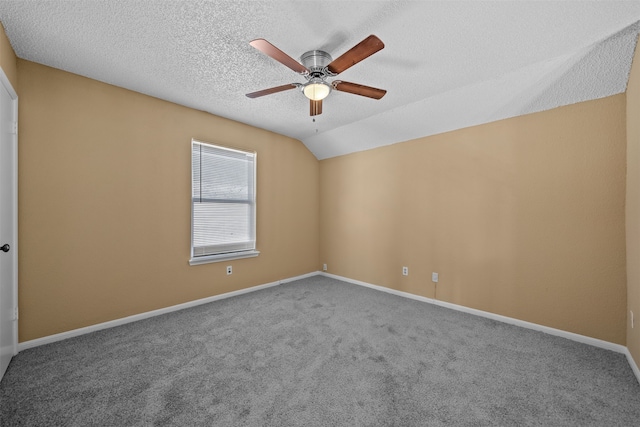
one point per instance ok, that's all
(8, 223)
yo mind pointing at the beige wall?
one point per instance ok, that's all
(104, 206)
(633, 207)
(523, 217)
(8, 61)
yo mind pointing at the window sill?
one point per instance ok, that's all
(223, 257)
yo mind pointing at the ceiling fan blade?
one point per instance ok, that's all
(270, 50)
(270, 90)
(362, 50)
(357, 89)
(315, 107)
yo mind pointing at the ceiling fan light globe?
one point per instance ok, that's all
(316, 91)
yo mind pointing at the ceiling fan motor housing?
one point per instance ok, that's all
(316, 62)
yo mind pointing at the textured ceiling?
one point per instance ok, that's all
(446, 64)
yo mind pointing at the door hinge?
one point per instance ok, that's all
(13, 128)
(15, 314)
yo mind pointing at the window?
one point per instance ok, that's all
(223, 203)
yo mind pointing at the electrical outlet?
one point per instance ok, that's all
(631, 319)
(324, 267)
(405, 271)
(434, 277)
(229, 269)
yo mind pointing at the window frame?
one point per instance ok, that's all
(231, 255)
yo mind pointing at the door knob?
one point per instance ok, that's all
(5, 247)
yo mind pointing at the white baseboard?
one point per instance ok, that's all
(117, 322)
(552, 331)
(303, 276)
(632, 363)
(510, 320)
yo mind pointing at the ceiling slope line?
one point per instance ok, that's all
(496, 96)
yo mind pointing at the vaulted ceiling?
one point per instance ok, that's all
(446, 64)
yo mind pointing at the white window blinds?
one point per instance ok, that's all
(223, 200)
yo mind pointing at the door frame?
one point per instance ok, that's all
(4, 81)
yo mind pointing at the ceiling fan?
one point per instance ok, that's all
(316, 66)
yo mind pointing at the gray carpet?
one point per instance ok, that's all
(318, 352)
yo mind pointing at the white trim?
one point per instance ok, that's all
(551, 331)
(303, 276)
(4, 80)
(223, 257)
(510, 320)
(16, 247)
(632, 363)
(122, 321)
